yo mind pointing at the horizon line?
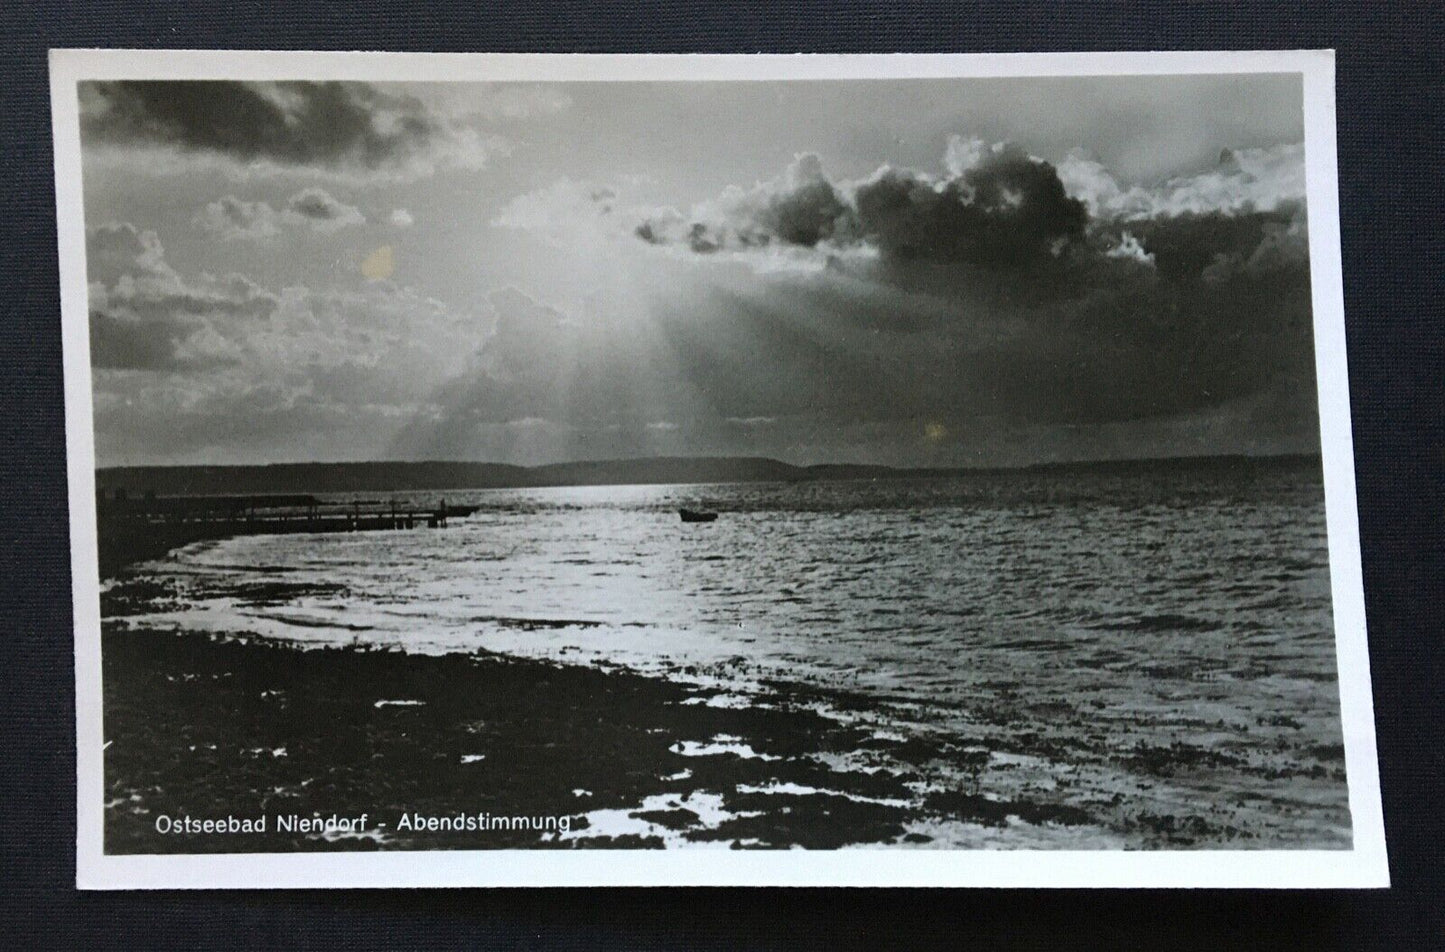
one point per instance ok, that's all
(1183, 457)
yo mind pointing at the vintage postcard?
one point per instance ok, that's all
(745, 470)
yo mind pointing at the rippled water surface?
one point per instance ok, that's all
(1155, 640)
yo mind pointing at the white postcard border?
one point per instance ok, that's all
(1365, 865)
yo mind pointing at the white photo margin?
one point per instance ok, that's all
(1364, 865)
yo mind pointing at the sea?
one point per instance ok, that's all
(1151, 634)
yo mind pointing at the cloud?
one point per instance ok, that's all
(1005, 229)
(146, 316)
(994, 297)
(324, 213)
(232, 218)
(311, 208)
(350, 128)
(565, 210)
(800, 207)
(997, 206)
(401, 218)
(117, 250)
(1129, 249)
(189, 364)
(1242, 180)
(1210, 246)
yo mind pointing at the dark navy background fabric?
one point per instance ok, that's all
(1391, 75)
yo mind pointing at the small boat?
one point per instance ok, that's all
(696, 515)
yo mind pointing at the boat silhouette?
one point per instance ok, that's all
(696, 515)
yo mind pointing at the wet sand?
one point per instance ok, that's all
(210, 727)
(207, 728)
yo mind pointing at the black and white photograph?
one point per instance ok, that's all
(921, 462)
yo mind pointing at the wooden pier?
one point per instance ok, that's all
(132, 529)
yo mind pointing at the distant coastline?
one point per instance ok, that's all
(198, 480)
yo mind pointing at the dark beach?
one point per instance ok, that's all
(211, 727)
(206, 727)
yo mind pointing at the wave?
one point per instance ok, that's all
(1162, 622)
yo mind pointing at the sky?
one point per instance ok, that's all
(910, 272)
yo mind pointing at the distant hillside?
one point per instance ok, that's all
(379, 477)
(382, 477)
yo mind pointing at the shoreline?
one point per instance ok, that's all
(210, 727)
(206, 727)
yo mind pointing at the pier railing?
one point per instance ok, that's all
(259, 514)
(137, 528)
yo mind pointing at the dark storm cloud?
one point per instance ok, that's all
(337, 126)
(998, 207)
(1219, 247)
(1204, 310)
(1008, 210)
(1223, 319)
(807, 210)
